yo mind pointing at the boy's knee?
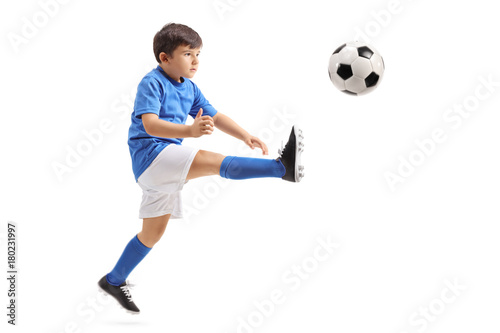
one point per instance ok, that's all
(209, 157)
(149, 239)
(153, 230)
(155, 239)
(208, 161)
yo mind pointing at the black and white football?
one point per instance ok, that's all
(356, 68)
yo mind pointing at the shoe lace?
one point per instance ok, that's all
(126, 290)
(281, 150)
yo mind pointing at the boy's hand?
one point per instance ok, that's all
(202, 125)
(253, 142)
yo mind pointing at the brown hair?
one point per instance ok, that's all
(173, 35)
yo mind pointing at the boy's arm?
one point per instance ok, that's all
(229, 126)
(155, 126)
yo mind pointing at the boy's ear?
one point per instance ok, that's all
(163, 57)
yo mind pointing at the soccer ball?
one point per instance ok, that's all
(356, 68)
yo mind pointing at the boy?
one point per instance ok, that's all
(161, 165)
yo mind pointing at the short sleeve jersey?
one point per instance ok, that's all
(172, 101)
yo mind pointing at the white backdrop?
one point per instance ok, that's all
(345, 250)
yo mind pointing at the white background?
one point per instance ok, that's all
(260, 59)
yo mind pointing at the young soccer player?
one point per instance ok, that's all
(162, 165)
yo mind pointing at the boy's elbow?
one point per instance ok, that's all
(217, 117)
(149, 125)
(147, 128)
(151, 130)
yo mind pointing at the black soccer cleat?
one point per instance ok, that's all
(121, 293)
(290, 156)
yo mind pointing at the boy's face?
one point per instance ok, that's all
(183, 62)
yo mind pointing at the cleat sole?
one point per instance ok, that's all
(299, 148)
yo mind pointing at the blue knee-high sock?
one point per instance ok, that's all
(234, 167)
(134, 252)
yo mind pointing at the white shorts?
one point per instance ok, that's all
(163, 181)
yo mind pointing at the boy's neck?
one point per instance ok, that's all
(178, 79)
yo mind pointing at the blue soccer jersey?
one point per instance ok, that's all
(172, 101)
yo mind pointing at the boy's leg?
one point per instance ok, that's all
(152, 230)
(114, 283)
(287, 166)
(205, 163)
